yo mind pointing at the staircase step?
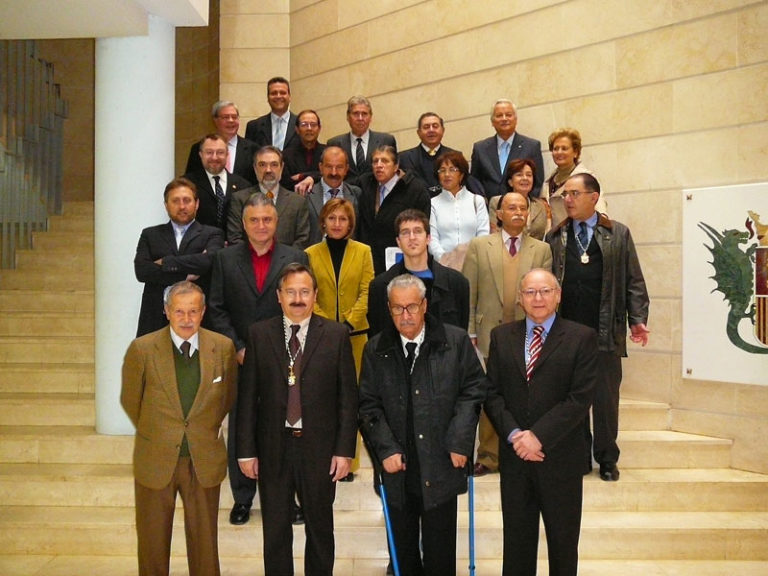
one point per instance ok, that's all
(31, 378)
(65, 301)
(643, 415)
(62, 444)
(72, 262)
(62, 241)
(78, 209)
(55, 349)
(637, 536)
(47, 409)
(45, 324)
(668, 449)
(74, 223)
(45, 280)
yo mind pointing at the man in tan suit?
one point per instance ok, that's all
(178, 385)
(494, 269)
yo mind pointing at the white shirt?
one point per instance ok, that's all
(353, 144)
(506, 237)
(179, 231)
(302, 336)
(193, 341)
(419, 341)
(456, 220)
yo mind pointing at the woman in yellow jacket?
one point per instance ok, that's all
(344, 269)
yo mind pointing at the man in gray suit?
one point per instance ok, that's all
(491, 155)
(292, 211)
(360, 142)
(494, 269)
(333, 169)
(243, 291)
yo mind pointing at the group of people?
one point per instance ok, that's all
(456, 297)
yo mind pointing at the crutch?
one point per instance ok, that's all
(390, 535)
(471, 504)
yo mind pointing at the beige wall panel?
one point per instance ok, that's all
(353, 12)
(327, 56)
(297, 5)
(664, 324)
(249, 64)
(752, 152)
(704, 396)
(315, 21)
(661, 269)
(239, 7)
(678, 51)
(250, 98)
(653, 216)
(753, 40)
(255, 31)
(648, 376)
(752, 400)
(723, 99)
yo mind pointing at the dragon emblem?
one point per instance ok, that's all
(735, 275)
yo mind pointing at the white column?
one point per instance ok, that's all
(134, 153)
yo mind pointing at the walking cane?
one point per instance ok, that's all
(471, 493)
(390, 535)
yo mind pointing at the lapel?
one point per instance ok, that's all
(245, 266)
(495, 263)
(290, 130)
(192, 232)
(492, 154)
(348, 262)
(316, 199)
(518, 346)
(277, 337)
(325, 262)
(279, 260)
(282, 201)
(165, 368)
(168, 238)
(526, 253)
(315, 334)
(206, 354)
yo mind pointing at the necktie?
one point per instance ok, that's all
(334, 192)
(220, 198)
(534, 350)
(432, 152)
(293, 414)
(359, 153)
(279, 139)
(380, 196)
(504, 156)
(270, 195)
(513, 246)
(185, 348)
(583, 236)
(410, 355)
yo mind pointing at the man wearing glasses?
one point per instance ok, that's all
(594, 259)
(421, 388)
(543, 371)
(446, 289)
(302, 157)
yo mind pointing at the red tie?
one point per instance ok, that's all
(533, 351)
(513, 246)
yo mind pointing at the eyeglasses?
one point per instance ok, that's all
(575, 193)
(448, 170)
(408, 232)
(412, 309)
(308, 124)
(291, 293)
(543, 292)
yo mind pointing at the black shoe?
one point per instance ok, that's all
(348, 478)
(240, 514)
(609, 472)
(390, 568)
(298, 516)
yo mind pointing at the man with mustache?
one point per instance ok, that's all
(292, 210)
(297, 421)
(494, 266)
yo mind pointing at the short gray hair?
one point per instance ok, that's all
(407, 281)
(532, 270)
(182, 287)
(219, 104)
(258, 199)
(357, 101)
(502, 101)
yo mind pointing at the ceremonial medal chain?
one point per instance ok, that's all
(291, 357)
(584, 255)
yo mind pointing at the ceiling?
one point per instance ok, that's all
(38, 19)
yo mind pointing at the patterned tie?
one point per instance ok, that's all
(359, 153)
(504, 156)
(432, 151)
(185, 348)
(334, 192)
(293, 414)
(410, 355)
(220, 200)
(513, 246)
(533, 351)
(270, 195)
(279, 135)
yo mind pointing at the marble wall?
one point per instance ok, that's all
(667, 95)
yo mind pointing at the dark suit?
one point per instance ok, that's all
(292, 218)
(243, 159)
(552, 405)
(150, 397)
(259, 131)
(447, 298)
(315, 205)
(295, 162)
(206, 212)
(193, 256)
(288, 464)
(377, 229)
(485, 163)
(375, 139)
(234, 304)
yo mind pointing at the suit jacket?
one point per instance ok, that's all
(235, 302)
(485, 163)
(375, 140)
(377, 229)
(315, 205)
(345, 300)
(418, 161)
(259, 131)
(193, 256)
(295, 162)
(553, 404)
(206, 211)
(484, 268)
(150, 397)
(292, 214)
(328, 397)
(448, 301)
(243, 159)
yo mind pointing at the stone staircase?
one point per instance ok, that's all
(66, 493)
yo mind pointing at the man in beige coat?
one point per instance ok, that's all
(178, 385)
(494, 269)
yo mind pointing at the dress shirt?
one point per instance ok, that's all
(456, 220)
(591, 223)
(327, 191)
(302, 337)
(505, 236)
(500, 143)
(179, 231)
(436, 149)
(232, 149)
(419, 340)
(178, 341)
(281, 122)
(388, 186)
(529, 326)
(353, 142)
(222, 180)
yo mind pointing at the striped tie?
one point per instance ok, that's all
(534, 351)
